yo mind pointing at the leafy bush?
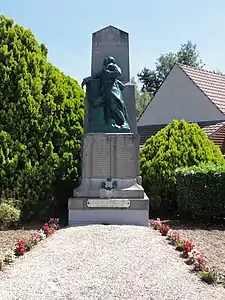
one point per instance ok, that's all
(179, 144)
(8, 214)
(41, 122)
(201, 190)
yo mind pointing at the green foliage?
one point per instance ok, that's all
(142, 98)
(209, 275)
(179, 144)
(201, 190)
(41, 121)
(8, 214)
(152, 79)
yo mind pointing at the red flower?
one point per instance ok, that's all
(47, 230)
(20, 248)
(188, 246)
(164, 230)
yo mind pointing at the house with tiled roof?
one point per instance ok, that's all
(191, 94)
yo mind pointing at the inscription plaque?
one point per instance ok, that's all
(110, 156)
(87, 157)
(114, 203)
(101, 157)
(126, 157)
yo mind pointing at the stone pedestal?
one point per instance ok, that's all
(109, 159)
(130, 102)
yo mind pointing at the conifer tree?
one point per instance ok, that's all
(41, 117)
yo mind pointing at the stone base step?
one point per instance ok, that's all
(134, 204)
(83, 211)
(111, 217)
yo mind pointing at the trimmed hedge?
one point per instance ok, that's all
(178, 145)
(201, 190)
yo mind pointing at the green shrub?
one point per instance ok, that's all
(8, 214)
(201, 190)
(179, 144)
(41, 122)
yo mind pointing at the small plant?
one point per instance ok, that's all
(191, 256)
(164, 229)
(188, 246)
(29, 245)
(54, 223)
(20, 248)
(199, 261)
(35, 236)
(42, 234)
(156, 224)
(47, 230)
(180, 246)
(208, 275)
(9, 257)
(175, 236)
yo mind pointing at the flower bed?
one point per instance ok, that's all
(192, 256)
(23, 246)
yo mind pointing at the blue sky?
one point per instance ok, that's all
(155, 27)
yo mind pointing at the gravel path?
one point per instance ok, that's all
(104, 262)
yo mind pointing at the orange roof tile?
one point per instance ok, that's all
(217, 134)
(210, 83)
(211, 129)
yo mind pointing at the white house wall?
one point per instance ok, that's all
(179, 98)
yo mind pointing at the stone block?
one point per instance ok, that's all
(129, 99)
(111, 217)
(108, 155)
(135, 214)
(111, 41)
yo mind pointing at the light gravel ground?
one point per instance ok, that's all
(104, 262)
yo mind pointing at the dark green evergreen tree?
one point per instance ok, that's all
(41, 121)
